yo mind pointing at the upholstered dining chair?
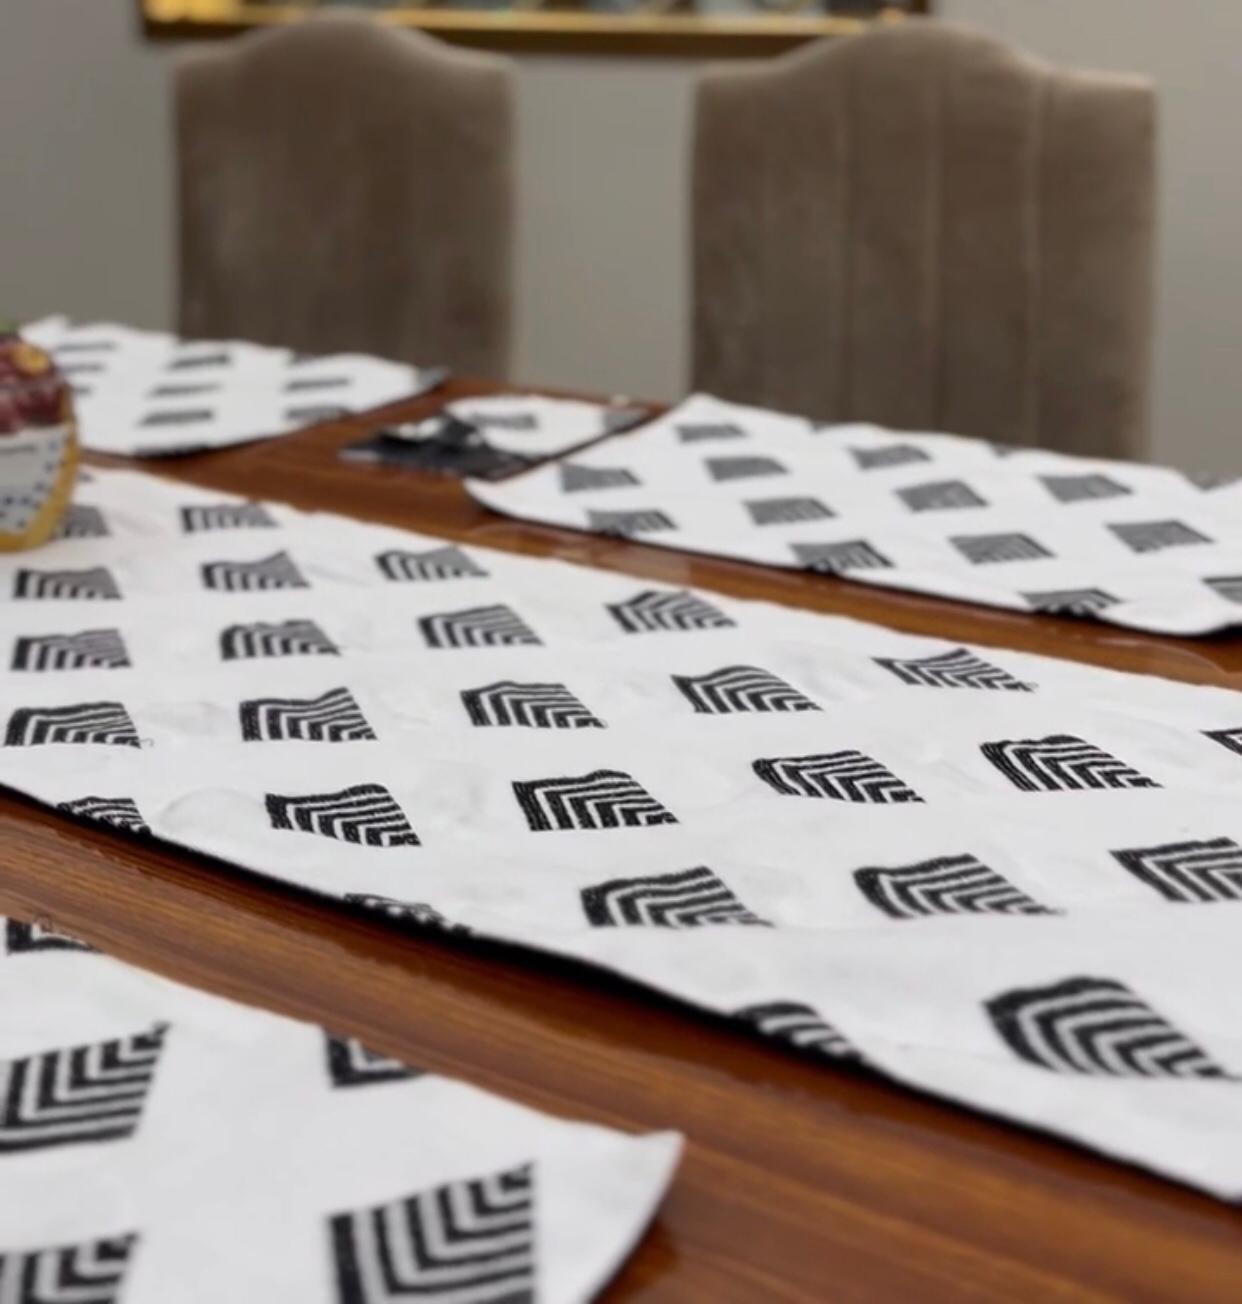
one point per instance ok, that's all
(923, 228)
(347, 186)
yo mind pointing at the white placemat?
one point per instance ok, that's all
(150, 394)
(1009, 880)
(162, 1146)
(1142, 546)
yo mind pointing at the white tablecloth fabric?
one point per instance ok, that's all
(1141, 546)
(1012, 881)
(148, 394)
(162, 1146)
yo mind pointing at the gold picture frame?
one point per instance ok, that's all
(652, 27)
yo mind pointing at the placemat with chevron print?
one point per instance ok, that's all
(1009, 880)
(159, 1144)
(150, 394)
(1141, 546)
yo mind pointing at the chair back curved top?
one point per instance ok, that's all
(347, 186)
(924, 228)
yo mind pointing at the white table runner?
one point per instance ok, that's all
(162, 1146)
(1140, 546)
(1009, 880)
(148, 393)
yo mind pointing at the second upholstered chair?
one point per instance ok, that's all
(923, 228)
(347, 186)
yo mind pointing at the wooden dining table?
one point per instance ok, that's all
(801, 1180)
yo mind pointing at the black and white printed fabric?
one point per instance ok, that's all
(150, 394)
(1141, 546)
(1012, 881)
(159, 1145)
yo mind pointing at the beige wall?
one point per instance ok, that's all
(85, 206)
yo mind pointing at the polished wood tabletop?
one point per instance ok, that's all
(800, 1181)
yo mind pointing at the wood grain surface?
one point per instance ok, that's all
(800, 1182)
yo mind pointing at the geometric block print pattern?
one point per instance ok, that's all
(226, 516)
(682, 900)
(1097, 1026)
(1059, 763)
(332, 718)
(119, 812)
(799, 1026)
(88, 722)
(1080, 488)
(841, 776)
(956, 669)
(660, 609)
(288, 638)
(948, 885)
(742, 468)
(1154, 536)
(944, 495)
(575, 478)
(93, 1273)
(1071, 602)
(279, 571)
(77, 1095)
(874, 459)
(836, 558)
(466, 1242)
(82, 522)
(786, 511)
(366, 814)
(351, 1064)
(21, 936)
(94, 583)
(741, 688)
(448, 563)
(988, 549)
(624, 524)
(534, 706)
(93, 648)
(1188, 871)
(603, 799)
(495, 626)
(1230, 738)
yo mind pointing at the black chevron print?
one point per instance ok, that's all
(647, 520)
(81, 1094)
(497, 626)
(533, 706)
(958, 668)
(94, 583)
(1097, 1026)
(366, 813)
(1071, 602)
(286, 638)
(1080, 488)
(308, 414)
(940, 496)
(840, 776)
(686, 899)
(697, 431)
(872, 459)
(119, 812)
(800, 1026)
(1230, 738)
(988, 549)
(303, 384)
(177, 417)
(196, 358)
(101, 649)
(836, 558)
(81, 521)
(1228, 587)
(665, 609)
(90, 1273)
(275, 572)
(603, 799)
(1154, 536)
(576, 477)
(948, 885)
(21, 937)
(184, 389)
(447, 563)
(88, 722)
(333, 717)
(225, 516)
(1188, 871)
(1209, 480)
(741, 688)
(417, 913)
(468, 1242)
(742, 468)
(1061, 762)
(786, 511)
(351, 1064)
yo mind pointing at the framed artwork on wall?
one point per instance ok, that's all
(717, 28)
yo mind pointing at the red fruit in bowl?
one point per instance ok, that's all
(10, 414)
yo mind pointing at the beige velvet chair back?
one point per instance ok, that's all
(922, 228)
(347, 186)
